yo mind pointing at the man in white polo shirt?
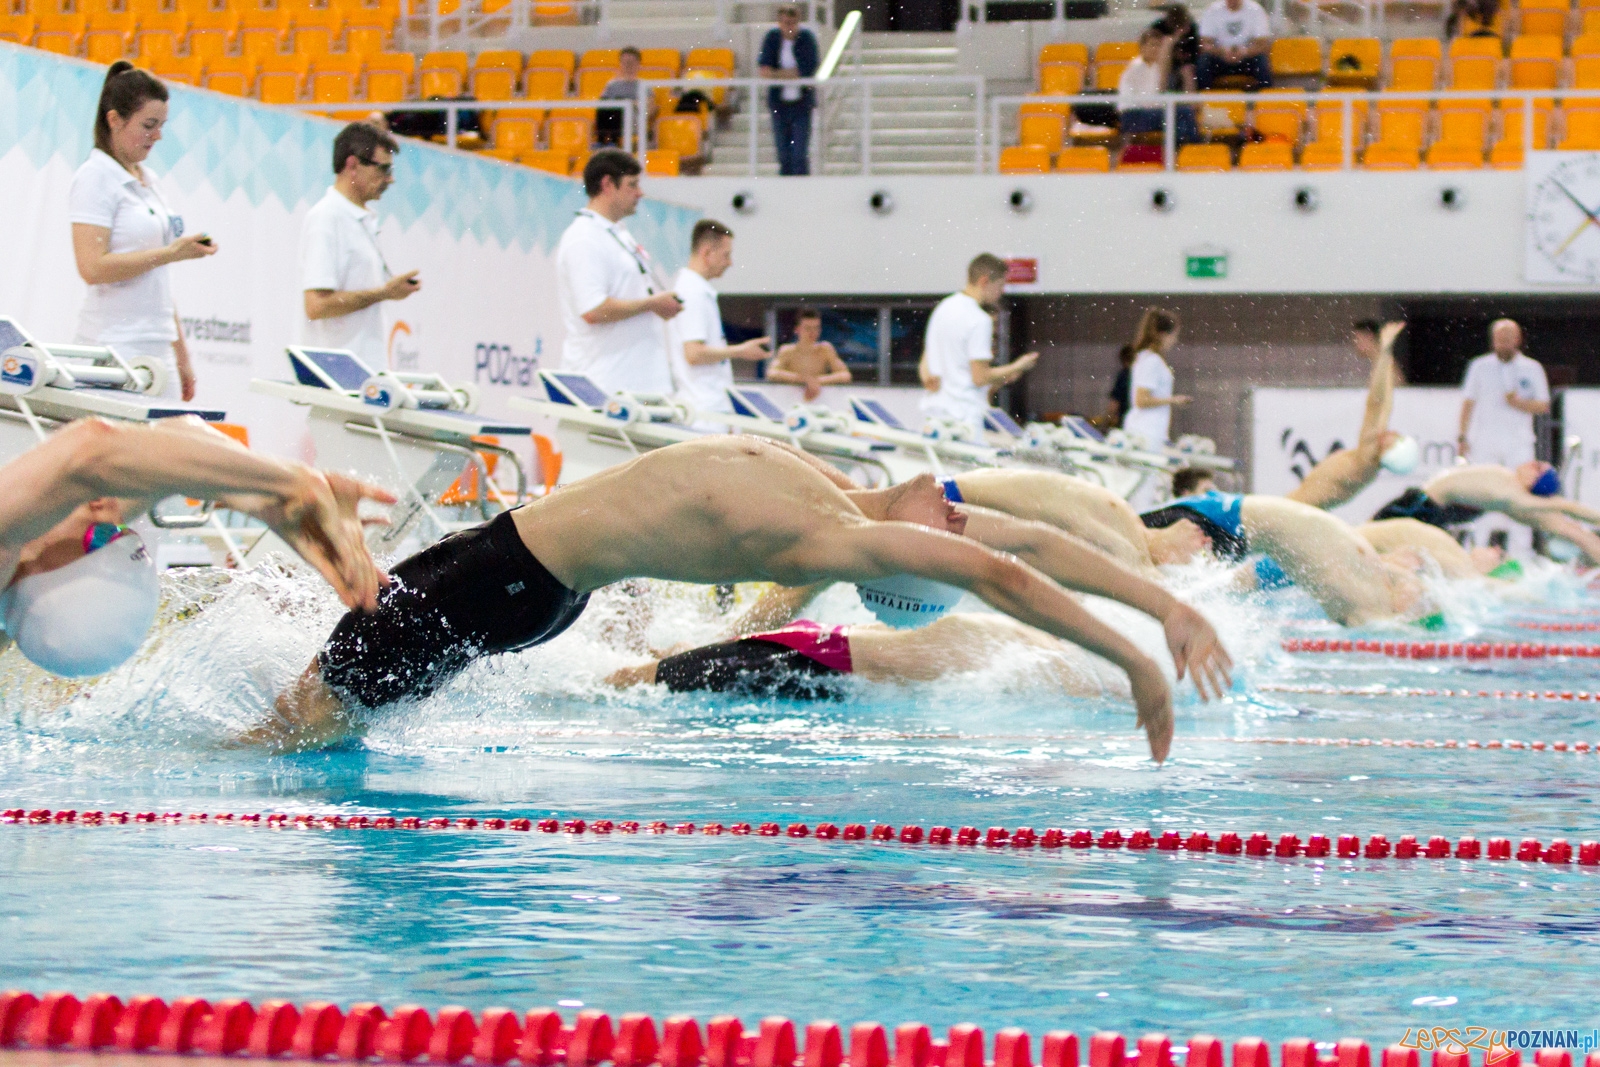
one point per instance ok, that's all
(613, 304)
(958, 349)
(1235, 37)
(1503, 391)
(704, 367)
(342, 271)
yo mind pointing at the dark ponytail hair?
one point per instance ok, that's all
(126, 90)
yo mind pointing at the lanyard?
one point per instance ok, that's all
(636, 253)
(372, 239)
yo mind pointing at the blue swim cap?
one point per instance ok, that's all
(952, 491)
(905, 601)
(87, 617)
(1548, 483)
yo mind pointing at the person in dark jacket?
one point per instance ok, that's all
(789, 52)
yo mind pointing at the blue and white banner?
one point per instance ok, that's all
(482, 233)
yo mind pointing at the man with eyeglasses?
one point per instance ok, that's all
(342, 269)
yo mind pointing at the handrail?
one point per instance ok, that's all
(453, 109)
(519, 14)
(830, 62)
(1170, 102)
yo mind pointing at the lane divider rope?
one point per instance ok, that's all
(1468, 650)
(1315, 689)
(1259, 844)
(541, 1038)
(1559, 627)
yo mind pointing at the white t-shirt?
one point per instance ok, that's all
(787, 61)
(140, 309)
(702, 386)
(1234, 29)
(1496, 426)
(339, 251)
(1150, 372)
(1140, 85)
(960, 333)
(597, 259)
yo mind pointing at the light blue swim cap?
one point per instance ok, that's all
(1401, 457)
(1547, 484)
(89, 616)
(905, 601)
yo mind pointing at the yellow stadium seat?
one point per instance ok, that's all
(1468, 127)
(710, 59)
(1044, 131)
(1489, 47)
(495, 74)
(279, 78)
(60, 32)
(1443, 156)
(545, 84)
(108, 36)
(1543, 17)
(1507, 150)
(1353, 62)
(184, 70)
(316, 30)
(1084, 159)
(1323, 154)
(1061, 79)
(1581, 131)
(515, 132)
(1587, 45)
(1106, 75)
(1590, 26)
(569, 133)
(548, 13)
(1330, 119)
(159, 36)
(261, 31)
(1296, 57)
(1401, 126)
(1474, 74)
(366, 33)
(1024, 159)
(1065, 52)
(1209, 157)
(1413, 74)
(1222, 119)
(1267, 155)
(1535, 62)
(548, 160)
(1044, 107)
(234, 75)
(717, 93)
(1383, 156)
(593, 80)
(1115, 51)
(670, 58)
(389, 76)
(552, 59)
(17, 26)
(1281, 124)
(504, 155)
(334, 78)
(1425, 47)
(662, 163)
(681, 133)
(1586, 73)
(211, 31)
(600, 57)
(442, 74)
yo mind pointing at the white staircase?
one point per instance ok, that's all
(926, 127)
(660, 14)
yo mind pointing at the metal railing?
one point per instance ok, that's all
(835, 97)
(1348, 102)
(453, 108)
(470, 23)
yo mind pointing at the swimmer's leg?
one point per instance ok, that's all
(627, 677)
(1329, 560)
(306, 716)
(1388, 535)
(1348, 471)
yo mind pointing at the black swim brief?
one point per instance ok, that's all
(475, 593)
(1416, 504)
(750, 667)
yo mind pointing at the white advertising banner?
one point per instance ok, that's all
(1580, 418)
(482, 233)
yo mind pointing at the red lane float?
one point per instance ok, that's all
(1469, 650)
(177, 1027)
(541, 1038)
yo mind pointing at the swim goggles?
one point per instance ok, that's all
(101, 534)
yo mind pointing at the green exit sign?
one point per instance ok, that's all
(1206, 265)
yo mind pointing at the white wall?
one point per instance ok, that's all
(1373, 233)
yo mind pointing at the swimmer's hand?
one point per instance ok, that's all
(1153, 698)
(320, 521)
(1196, 648)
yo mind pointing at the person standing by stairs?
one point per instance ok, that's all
(789, 52)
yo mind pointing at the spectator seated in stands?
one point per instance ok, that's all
(625, 86)
(1472, 18)
(1139, 90)
(1235, 38)
(1178, 24)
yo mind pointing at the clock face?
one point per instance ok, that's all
(1564, 218)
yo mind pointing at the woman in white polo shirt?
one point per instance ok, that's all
(1153, 398)
(125, 233)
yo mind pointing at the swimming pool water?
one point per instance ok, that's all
(1078, 940)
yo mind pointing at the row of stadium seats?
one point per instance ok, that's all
(1558, 17)
(522, 136)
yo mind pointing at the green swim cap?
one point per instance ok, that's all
(1509, 569)
(1431, 622)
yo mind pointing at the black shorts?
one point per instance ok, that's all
(1416, 504)
(472, 594)
(750, 667)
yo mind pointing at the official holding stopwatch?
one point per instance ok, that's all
(125, 234)
(613, 303)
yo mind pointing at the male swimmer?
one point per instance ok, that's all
(1530, 494)
(1346, 472)
(804, 661)
(715, 510)
(80, 591)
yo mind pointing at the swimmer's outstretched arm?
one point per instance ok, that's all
(1078, 566)
(93, 458)
(1346, 472)
(873, 550)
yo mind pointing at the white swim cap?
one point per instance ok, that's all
(1402, 456)
(905, 601)
(87, 617)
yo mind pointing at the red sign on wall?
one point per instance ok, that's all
(1022, 271)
